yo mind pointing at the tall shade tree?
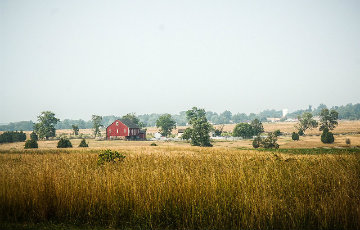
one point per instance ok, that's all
(75, 129)
(96, 124)
(45, 127)
(131, 117)
(200, 127)
(243, 130)
(306, 121)
(328, 119)
(257, 127)
(166, 124)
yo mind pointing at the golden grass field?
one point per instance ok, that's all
(304, 185)
(182, 187)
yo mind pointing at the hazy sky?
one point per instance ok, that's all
(78, 58)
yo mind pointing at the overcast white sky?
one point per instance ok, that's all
(78, 58)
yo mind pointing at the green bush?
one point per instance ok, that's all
(153, 144)
(110, 156)
(295, 136)
(327, 137)
(277, 132)
(12, 136)
(31, 144)
(243, 130)
(256, 142)
(301, 132)
(64, 143)
(34, 136)
(270, 142)
(83, 144)
(347, 141)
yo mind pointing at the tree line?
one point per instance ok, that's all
(349, 112)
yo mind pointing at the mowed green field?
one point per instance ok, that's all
(176, 186)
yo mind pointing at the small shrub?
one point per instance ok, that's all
(34, 136)
(301, 132)
(277, 132)
(295, 136)
(347, 141)
(31, 144)
(83, 144)
(153, 144)
(110, 156)
(256, 142)
(64, 143)
(327, 137)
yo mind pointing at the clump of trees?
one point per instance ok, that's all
(45, 127)
(166, 124)
(131, 117)
(198, 133)
(64, 143)
(268, 142)
(12, 136)
(245, 130)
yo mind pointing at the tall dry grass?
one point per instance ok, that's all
(183, 188)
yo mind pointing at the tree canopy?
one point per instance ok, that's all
(200, 127)
(96, 124)
(45, 127)
(166, 124)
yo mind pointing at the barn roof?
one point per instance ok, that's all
(129, 124)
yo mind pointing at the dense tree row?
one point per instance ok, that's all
(350, 111)
(12, 136)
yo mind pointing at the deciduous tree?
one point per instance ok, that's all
(45, 127)
(166, 124)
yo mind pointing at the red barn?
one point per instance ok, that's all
(124, 129)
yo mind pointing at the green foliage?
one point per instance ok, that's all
(31, 144)
(12, 136)
(131, 117)
(110, 156)
(328, 119)
(153, 144)
(83, 144)
(347, 141)
(200, 127)
(327, 137)
(75, 129)
(45, 127)
(257, 127)
(270, 142)
(187, 134)
(64, 143)
(34, 136)
(166, 124)
(277, 132)
(96, 124)
(301, 132)
(306, 121)
(257, 142)
(295, 136)
(243, 130)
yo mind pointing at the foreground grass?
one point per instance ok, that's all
(182, 188)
